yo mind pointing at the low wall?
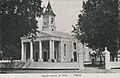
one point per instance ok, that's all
(7, 65)
(113, 65)
(47, 65)
(5, 61)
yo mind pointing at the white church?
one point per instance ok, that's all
(51, 46)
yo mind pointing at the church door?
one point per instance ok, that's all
(45, 56)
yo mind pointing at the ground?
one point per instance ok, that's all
(86, 70)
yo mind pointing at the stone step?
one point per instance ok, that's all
(46, 65)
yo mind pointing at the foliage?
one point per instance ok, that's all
(97, 26)
(18, 19)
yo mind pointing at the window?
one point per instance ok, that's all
(52, 20)
(75, 56)
(52, 29)
(74, 45)
(65, 50)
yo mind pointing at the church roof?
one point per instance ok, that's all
(49, 10)
(56, 34)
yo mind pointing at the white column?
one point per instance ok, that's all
(53, 51)
(40, 52)
(22, 51)
(62, 51)
(31, 51)
(59, 52)
(50, 47)
(25, 51)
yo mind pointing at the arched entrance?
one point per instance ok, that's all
(45, 55)
(75, 56)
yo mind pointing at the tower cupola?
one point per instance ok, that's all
(49, 19)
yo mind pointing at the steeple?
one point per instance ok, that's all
(49, 10)
(49, 19)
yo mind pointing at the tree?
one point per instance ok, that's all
(98, 26)
(18, 19)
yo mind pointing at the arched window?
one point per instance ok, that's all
(52, 20)
(65, 50)
(74, 45)
(75, 56)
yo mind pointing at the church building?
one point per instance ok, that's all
(50, 46)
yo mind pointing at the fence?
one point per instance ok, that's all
(108, 63)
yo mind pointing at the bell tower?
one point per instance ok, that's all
(49, 19)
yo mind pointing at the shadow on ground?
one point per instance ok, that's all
(91, 65)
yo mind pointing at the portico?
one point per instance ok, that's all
(41, 51)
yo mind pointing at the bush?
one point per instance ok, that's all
(11, 51)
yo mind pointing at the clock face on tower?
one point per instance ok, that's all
(46, 21)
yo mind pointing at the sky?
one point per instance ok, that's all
(66, 11)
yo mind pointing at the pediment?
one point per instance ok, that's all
(42, 34)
